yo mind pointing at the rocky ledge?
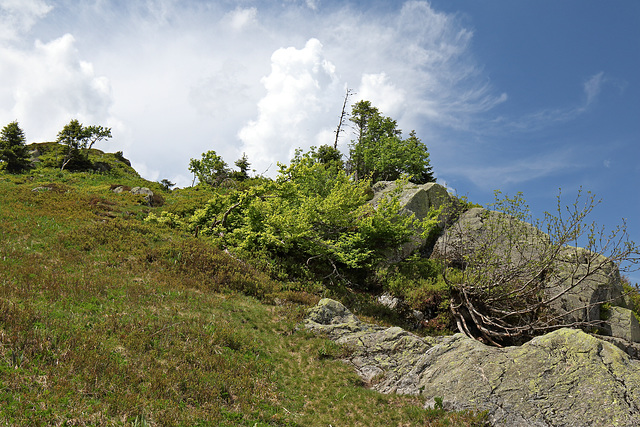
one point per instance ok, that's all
(564, 378)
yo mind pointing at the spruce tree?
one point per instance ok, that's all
(380, 153)
(13, 149)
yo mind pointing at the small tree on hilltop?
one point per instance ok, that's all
(167, 184)
(243, 168)
(514, 276)
(79, 140)
(210, 169)
(329, 155)
(13, 149)
(379, 152)
(418, 164)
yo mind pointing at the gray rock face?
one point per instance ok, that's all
(603, 286)
(631, 348)
(623, 324)
(380, 353)
(580, 297)
(564, 378)
(119, 189)
(144, 191)
(414, 199)
(474, 228)
(148, 195)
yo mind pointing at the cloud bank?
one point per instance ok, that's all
(48, 84)
(176, 79)
(297, 89)
(17, 17)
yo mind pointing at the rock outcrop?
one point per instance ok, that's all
(564, 378)
(414, 199)
(584, 280)
(151, 199)
(622, 323)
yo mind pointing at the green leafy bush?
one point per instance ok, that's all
(418, 281)
(313, 220)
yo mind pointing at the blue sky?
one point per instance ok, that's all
(511, 95)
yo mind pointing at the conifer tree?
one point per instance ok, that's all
(380, 152)
(13, 151)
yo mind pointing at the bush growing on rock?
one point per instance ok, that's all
(516, 281)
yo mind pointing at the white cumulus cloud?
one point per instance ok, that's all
(287, 114)
(382, 93)
(44, 87)
(264, 78)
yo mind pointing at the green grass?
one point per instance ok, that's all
(106, 320)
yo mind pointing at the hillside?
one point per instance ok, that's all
(108, 319)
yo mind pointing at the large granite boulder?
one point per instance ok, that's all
(477, 226)
(142, 191)
(593, 289)
(416, 199)
(582, 280)
(564, 378)
(622, 323)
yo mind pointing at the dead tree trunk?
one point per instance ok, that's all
(343, 117)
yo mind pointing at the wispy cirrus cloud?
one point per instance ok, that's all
(591, 88)
(523, 162)
(19, 16)
(507, 173)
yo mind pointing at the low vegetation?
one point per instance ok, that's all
(108, 319)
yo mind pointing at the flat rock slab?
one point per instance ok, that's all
(564, 378)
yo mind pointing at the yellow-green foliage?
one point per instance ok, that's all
(314, 219)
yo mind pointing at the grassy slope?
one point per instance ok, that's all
(105, 320)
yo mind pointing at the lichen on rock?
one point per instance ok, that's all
(564, 378)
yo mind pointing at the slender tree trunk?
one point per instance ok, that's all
(343, 115)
